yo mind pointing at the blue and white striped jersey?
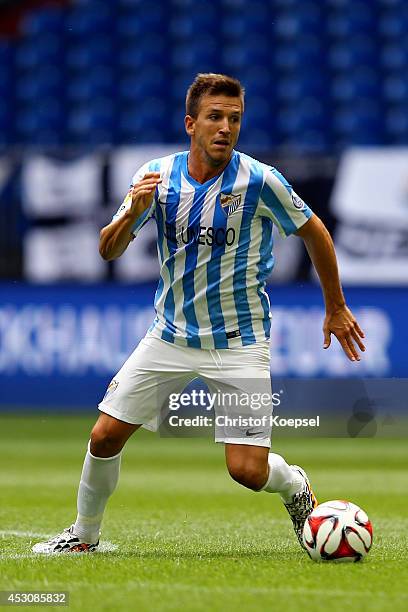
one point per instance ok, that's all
(215, 249)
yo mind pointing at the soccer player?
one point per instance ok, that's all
(214, 208)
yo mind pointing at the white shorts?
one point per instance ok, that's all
(158, 369)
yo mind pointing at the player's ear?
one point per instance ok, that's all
(189, 123)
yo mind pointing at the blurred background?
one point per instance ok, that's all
(91, 89)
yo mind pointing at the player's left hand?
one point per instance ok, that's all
(344, 326)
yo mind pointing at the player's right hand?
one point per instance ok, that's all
(143, 192)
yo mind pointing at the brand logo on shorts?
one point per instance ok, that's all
(113, 385)
(230, 203)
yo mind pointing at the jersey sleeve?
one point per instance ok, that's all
(149, 212)
(280, 203)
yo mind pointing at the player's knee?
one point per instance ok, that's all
(249, 474)
(104, 442)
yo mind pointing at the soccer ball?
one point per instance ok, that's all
(337, 531)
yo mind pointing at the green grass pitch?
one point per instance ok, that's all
(179, 534)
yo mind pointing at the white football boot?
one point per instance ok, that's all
(65, 542)
(301, 505)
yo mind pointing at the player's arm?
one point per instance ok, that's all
(339, 319)
(115, 237)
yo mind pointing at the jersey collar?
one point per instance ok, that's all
(208, 183)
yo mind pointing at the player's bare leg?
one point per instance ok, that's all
(256, 468)
(248, 465)
(100, 475)
(109, 436)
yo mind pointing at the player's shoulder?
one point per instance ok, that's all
(160, 164)
(269, 174)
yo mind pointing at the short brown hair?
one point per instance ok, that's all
(210, 84)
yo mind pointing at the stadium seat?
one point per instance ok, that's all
(396, 89)
(47, 50)
(333, 55)
(128, 26)
(357, 18)
(83, 87)
(84, 22)
(363, 82)
(394, 57)
(45, 82)
(361, 51)
(359, 123)
(85, 56)
(397, 125)
(142, 84)
(42, 22)
(309, 85)
(144, 124)
(92, 123)
(393, 26)
(301, 55)
(147, 50)
(201, 54)
(41, 123)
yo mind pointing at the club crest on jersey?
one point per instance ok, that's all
(230, 203)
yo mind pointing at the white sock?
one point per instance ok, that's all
(98, 481)
(282, 478)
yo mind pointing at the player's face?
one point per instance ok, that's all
(215, 130)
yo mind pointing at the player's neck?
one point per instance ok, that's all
(201, 169)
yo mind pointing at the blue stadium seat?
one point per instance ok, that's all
(41, 123)
(394, 56)
(393, 24)
(88, 54)
(304, 21)
(47, 50)
(359, 18)
(93, 123)
(307, 115)
(360, 124)
(147, 123)
(46, 82)
(238, 57)
(42, 22)
(198, 56)
(99, 83)
(142, 84)
(148, 50)
(305, 54)
(251, 19)
(85, 22)
(258, 81)
(6, 67)
(363, 82)
(361, 51)
(5, 123)
(180, 81)
(396, 89)
(6, 52)
(189, 24)
(104, 60)
(128, 26)
(257, 139)
(296, 86)
(397, 125)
